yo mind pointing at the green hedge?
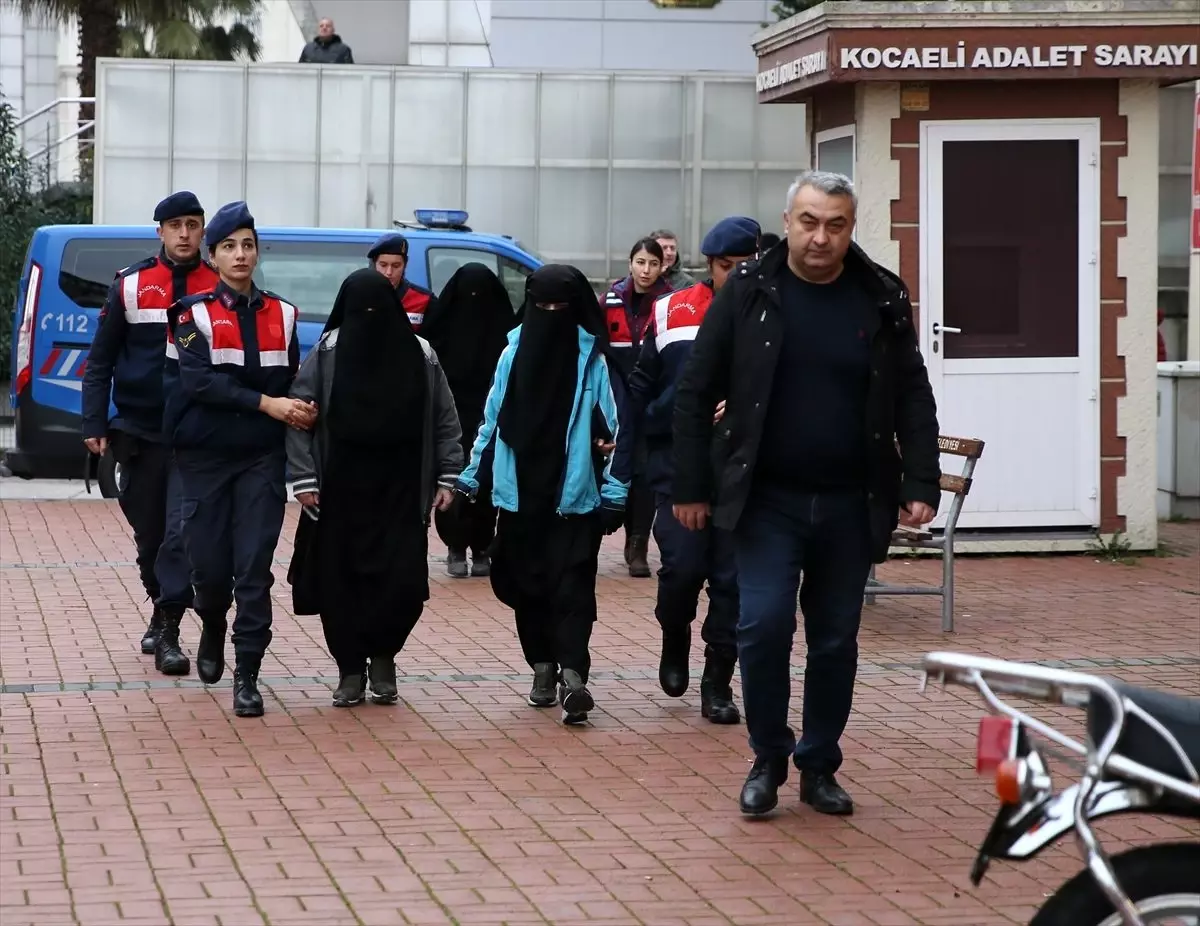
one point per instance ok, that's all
(28, 204)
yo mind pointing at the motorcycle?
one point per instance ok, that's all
(1141, 754)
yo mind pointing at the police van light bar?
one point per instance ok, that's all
(441, 218)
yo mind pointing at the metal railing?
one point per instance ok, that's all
(52, 145)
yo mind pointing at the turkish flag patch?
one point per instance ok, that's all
(185, 316)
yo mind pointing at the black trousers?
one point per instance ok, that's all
(554, 606)
(232, 514)
(467, 527)
(352, 643)
(639, 507)
(689, 559)
(145, 467)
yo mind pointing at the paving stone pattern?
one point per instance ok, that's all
(128, 798)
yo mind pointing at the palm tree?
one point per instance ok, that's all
(180, 28)
(191, 30)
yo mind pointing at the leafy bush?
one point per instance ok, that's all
(28, 203)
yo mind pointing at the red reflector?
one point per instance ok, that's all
(51, 361)
(995, 742)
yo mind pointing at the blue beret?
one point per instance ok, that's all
(391, 243)
(735, 236)
(225, 221)
(178, 204)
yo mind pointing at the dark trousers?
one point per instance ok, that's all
(232, 514)
(639, 507)
(467, 527)
(689, 559)
(780, 535)
(144, 468)
(352, 643)
(172, 567)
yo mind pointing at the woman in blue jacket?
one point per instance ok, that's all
(553, 453)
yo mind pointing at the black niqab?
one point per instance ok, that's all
(468, 328)
(378, 394)
(537, 403)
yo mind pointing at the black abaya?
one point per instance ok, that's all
(372, 537)
(468, 329)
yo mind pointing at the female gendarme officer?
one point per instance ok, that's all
(226, 413)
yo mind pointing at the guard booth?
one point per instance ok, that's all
(1006, 161)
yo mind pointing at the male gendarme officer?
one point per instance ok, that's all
(389, 255)
(126, 360)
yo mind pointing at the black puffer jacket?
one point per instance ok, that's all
(327, 51)
(734, 357)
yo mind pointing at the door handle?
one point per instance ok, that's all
(942, 329)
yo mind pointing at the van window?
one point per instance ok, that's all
(443, 262)
(308, 273)
(89, 265)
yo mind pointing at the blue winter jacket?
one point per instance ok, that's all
(587, 484)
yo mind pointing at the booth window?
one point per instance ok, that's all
(835, 150)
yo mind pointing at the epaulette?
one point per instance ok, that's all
(746, 267)
(140, 265)
(193, 298)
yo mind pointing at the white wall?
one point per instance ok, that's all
(28, 71)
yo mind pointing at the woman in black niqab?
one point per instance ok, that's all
(468, 329)
(372, 534)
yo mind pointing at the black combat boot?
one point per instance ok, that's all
(821, 791)
(716, 692)
(169, 659)
(153, 629)
(210, 653)
(673, 663)
(456, 564)
(639, 548)
(247, 702)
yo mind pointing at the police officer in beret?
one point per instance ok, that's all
(689, 558)
(126, 362)
(232, 355)
(389, 255)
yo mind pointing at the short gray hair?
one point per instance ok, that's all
(824, 181)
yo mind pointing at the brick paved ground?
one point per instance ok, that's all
(127, 798)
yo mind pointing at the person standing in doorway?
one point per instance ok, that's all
(553, 452)
(326, 47)
(389, 255)
(126, 361)
(628, 306)
(828, 438)
(672, 273)
(233, 352)
(468, 330)
(689, 557)
(386, 449)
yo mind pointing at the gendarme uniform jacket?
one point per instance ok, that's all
(308, 450)
(224, 353)
(733, 357)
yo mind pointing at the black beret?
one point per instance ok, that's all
(178, 204)
(225, 221)
(391, 243)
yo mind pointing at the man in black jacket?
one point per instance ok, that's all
(827, 440)
(326, 47)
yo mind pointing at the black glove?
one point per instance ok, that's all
(611, 519)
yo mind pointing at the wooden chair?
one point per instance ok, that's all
(970, 449)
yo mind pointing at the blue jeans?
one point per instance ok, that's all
(780, 535)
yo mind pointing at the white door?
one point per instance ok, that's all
(1009, 312)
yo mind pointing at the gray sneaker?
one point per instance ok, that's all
(456, 564)
(545, 677)
(350, 690)
(574, 697)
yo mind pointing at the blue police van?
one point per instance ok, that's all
(69, 268)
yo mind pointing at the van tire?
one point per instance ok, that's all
(106, 476)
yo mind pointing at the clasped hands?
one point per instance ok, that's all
(295, 413)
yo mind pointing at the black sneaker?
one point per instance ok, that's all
(350, 690)
(481, 565)
(545, 678)
(456, 564)
(574, 697)
(382, 676)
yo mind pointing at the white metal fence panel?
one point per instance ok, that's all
(575, 165)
